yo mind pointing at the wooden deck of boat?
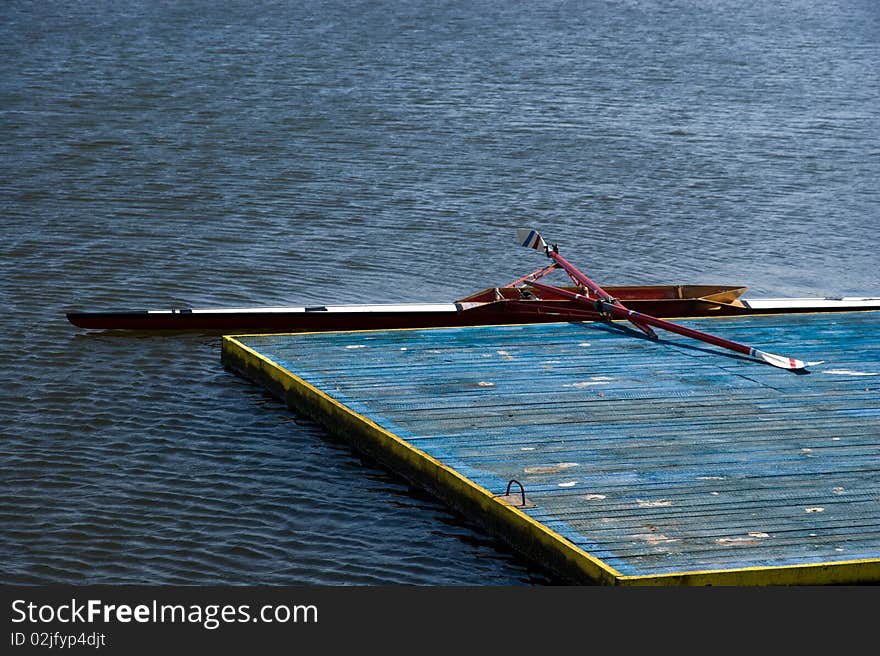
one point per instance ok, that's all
(670, 463)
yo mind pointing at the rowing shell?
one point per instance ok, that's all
(493, 306)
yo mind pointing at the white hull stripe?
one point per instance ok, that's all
(333, 309)
(789, 303)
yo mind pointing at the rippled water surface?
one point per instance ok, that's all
(262, 153)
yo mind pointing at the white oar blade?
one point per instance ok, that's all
(778, 360)
(530, 239)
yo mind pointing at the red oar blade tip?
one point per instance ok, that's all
(531, 239)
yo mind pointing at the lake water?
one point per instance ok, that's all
(159, 154)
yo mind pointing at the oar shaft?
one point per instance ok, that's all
(575, 273)
(625, 313)
(620, 312)
(781, 361)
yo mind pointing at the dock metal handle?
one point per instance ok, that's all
(521, 489)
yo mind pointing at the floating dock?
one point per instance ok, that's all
(612, 459)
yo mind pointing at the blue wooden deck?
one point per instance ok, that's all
(647, 463)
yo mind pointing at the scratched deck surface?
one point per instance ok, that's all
(654, 458)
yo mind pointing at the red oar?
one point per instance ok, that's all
(532, 239)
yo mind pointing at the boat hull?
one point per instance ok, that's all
(493, 306)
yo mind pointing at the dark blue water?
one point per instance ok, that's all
(264, 153)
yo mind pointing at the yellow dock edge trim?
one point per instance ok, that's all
(509, 523)
(845, 572)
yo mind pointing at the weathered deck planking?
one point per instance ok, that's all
(647, 463)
